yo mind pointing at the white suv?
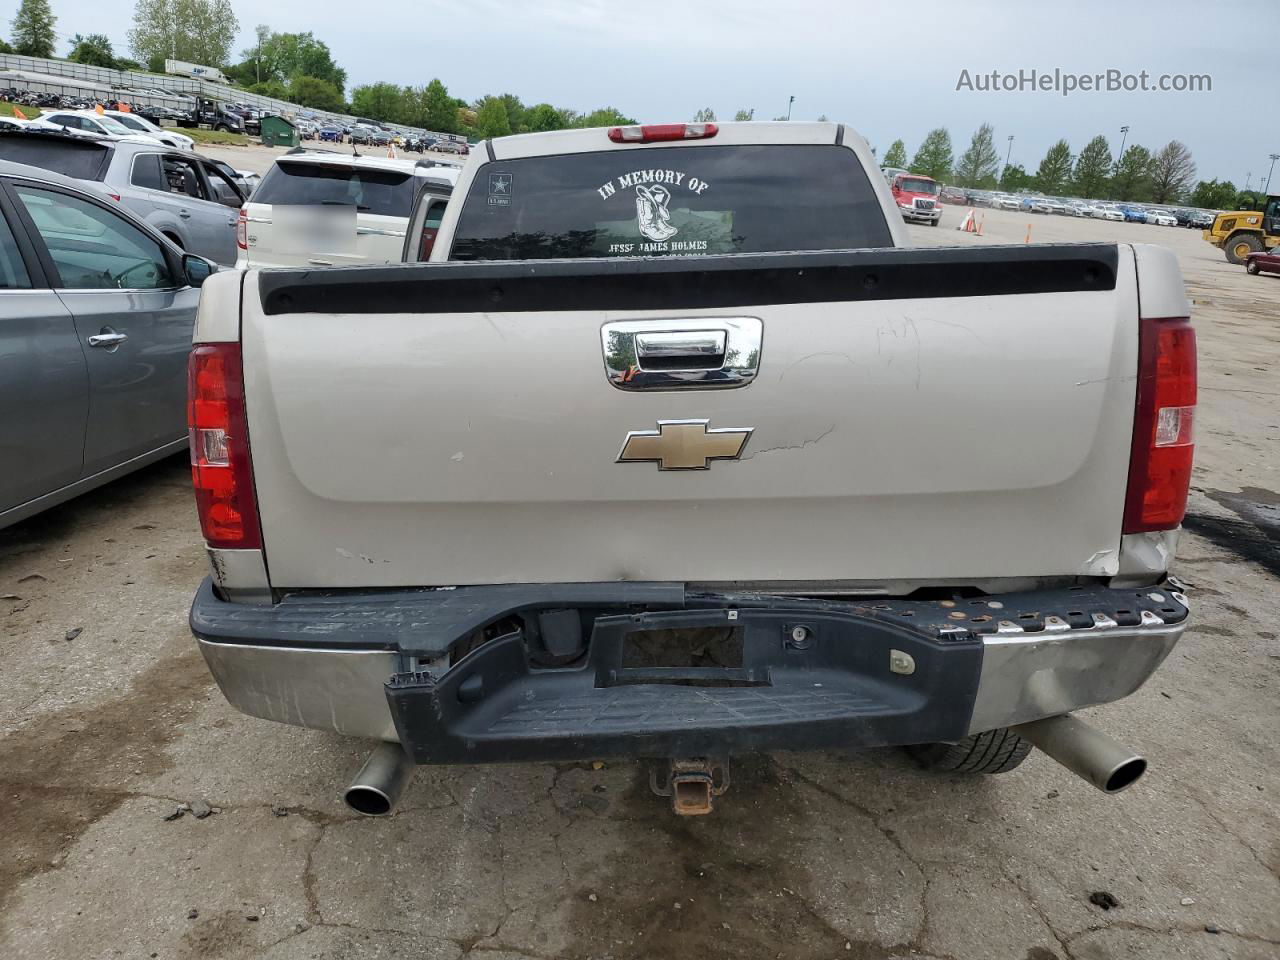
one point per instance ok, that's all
(322, 209)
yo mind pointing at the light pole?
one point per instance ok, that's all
(1007, 154)
(1274, 158)
(789, 103)
(1124, 135)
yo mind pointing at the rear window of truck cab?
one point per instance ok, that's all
(388, 193)
(670, 201)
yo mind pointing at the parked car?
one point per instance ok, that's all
(323, 209)
(331, 134)
(141, 125)
(1263, 262)
(1005, 201)
(185, 196)
(475, 509)
(1134, 214)
(98, 310)
(1201, 220)
(1161, 218)
(97, 124)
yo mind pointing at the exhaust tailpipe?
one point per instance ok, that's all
(380, 782)
(1085, 751)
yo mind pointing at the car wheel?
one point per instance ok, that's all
(1240, 246)
(1252, 267)
(996, 751)
(934, 223)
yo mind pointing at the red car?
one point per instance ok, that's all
(1268, 262)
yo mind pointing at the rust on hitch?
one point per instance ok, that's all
(692, 784)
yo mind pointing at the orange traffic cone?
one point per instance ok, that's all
(967, 224)
(980, 223)
(1028, 240)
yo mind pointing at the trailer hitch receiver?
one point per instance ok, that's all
(692, 784)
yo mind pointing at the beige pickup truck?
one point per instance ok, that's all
(676, 450)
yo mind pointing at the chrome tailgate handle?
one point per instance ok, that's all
(695, 345)
(682, 353)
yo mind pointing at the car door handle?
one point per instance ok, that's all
(185, 214)
(108, 338)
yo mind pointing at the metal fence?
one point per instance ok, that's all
(128, 85)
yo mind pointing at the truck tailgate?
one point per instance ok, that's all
(917, 414)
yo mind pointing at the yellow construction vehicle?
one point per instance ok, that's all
(1242, 232)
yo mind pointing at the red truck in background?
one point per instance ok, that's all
(917, 197)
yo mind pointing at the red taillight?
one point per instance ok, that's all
(242, 230)
(220, 468)
(1163, 426)
(657, 132)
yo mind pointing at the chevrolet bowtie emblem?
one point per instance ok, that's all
(684, 445)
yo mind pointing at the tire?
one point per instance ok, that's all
(996, 751)
(1252, 267)
(1239, 246)
(934, 223)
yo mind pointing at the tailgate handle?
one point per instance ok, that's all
(696, 348)
(689, 353)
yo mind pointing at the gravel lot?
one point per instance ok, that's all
(108, 720)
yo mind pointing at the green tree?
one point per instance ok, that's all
(5, 48)
(316, 93)
(124, 63)
(438, 111)
(94, 50)
(896, 155)
(199, 31)
(1014, 178)
(1214, 195)
(33, 33)
(515, 112)
(1055, 169)
(979, 164)
(1132, 177)
(604, 117)
(742, 115)
(491, 118)
(380, 101)
(543, 117)
(270, 88)
(1092, 168)
(283, 56)
(705, 115)
(1172, 172)
(934, 157)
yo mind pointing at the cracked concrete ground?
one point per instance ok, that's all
(861, 856)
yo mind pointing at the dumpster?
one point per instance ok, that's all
(278, 132)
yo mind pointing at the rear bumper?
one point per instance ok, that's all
(866, 674)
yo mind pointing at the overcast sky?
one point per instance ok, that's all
(888, 70)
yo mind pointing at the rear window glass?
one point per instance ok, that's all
(384, 192)
(671, 201)
(83, 160)
(146, 172)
